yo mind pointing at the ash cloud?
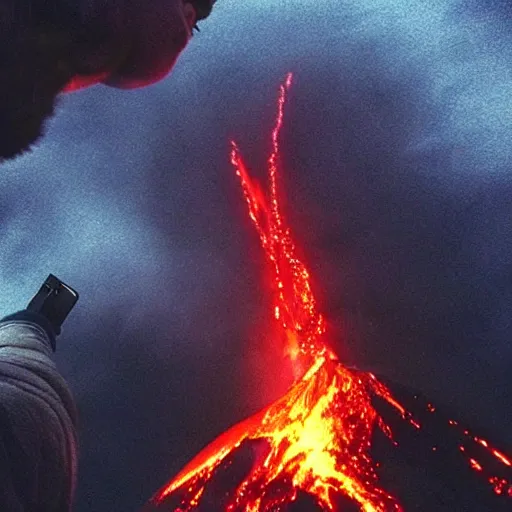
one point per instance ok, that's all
(398, 183)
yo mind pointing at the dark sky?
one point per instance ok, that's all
(398, 177)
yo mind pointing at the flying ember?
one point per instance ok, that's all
(316, 439)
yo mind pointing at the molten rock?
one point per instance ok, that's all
(339, 439)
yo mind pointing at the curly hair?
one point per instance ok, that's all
(33, 70)
(40, 51)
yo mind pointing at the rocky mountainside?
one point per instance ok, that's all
(436, 465)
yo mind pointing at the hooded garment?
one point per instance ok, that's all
(38, 447)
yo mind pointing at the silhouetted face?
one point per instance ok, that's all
(161, 31)
(149, 37)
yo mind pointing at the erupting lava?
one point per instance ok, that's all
(319, 434)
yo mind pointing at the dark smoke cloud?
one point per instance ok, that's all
(396, 150)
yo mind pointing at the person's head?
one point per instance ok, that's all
(159, 33)
(122, 43)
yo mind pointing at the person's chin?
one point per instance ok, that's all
(148, 63)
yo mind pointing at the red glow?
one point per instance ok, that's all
(81, 82)
(320, 432)
(475, 465)
(501, 457)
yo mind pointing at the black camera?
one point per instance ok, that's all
(54, 301)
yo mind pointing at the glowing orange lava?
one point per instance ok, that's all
(319, 433)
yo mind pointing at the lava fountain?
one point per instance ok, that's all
(317, 437)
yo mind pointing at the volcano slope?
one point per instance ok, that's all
(426, 469)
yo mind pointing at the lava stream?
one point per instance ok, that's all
(318, 435)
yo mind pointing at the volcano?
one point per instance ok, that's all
(340, 439)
